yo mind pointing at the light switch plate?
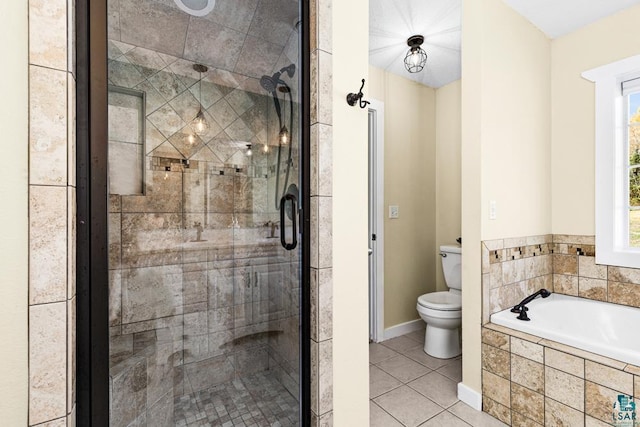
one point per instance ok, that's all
(394, 211)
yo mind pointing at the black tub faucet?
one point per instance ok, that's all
(522, 307)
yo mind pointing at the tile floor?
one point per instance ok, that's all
(409, 388)
(257, 400)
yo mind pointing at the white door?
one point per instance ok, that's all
(376, 228)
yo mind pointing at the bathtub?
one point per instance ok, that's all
(603, 328)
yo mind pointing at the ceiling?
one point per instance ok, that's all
(439, 21)
(559, 17)
(392, 22)
(248, 37)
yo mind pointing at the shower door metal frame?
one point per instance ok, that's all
(92, 261)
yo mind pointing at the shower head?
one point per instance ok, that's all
(289, 69)
(269, 83)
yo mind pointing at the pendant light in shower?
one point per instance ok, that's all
(199, 124)
(416, 57)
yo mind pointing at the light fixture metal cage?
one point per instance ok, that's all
(416, 57)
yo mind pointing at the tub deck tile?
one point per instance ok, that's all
(496, 388)
(513, 332)
(496, 410)
(496, 361)
(632, 369)
(496, 339)
(519, 420)
(609, 377)
(564, 388)
(564, 362)
(599, 401)
(527, 349)
(527, 403)
(527, 373)
(557, 414)
(584, 354)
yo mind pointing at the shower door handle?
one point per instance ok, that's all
(294, 220)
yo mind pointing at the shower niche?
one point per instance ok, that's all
(204, 300)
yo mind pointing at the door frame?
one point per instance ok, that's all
(92, 259)
(376, 217)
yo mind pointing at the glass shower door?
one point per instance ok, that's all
(204, 250)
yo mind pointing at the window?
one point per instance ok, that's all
(617, 162)
(631, 102)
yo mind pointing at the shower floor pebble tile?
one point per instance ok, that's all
(258, 400)
(412, 389)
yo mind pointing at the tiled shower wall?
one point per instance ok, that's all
(321, 214)
(52, 209)
(189, 315)
(514, 268)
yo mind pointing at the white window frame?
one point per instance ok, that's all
(612, 229)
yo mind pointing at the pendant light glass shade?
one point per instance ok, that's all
(416, 57)
(199, 124)
(284, 136)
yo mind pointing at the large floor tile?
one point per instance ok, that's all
(378, 353)
(401, 344)
(445, 419)
(438, 388)
(379, 418)
(403, 368)
(473, 417)
(452, 370)
(408, 406)
(417, 336)
(380, 382)
(423, 358)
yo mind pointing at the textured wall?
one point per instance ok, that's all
(52, 232)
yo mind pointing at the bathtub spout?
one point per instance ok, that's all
(522, 307)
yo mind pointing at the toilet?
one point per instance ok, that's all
(442, 311)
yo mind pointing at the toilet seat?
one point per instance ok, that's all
(444, 301)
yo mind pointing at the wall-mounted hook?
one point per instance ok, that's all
(353, 98)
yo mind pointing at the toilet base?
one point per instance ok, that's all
(442, 343)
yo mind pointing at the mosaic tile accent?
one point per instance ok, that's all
(561, 263)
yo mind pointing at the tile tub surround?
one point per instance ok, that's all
(514, 268)
(532, 381)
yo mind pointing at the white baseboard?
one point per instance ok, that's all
(403, 328)
(470, 397)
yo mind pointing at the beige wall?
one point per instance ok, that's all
(350, 243)
(409, 182)
(14, 215)
(505, 145)
(572, 112)
(448, 209)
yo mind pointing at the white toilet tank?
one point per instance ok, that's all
(452, 265)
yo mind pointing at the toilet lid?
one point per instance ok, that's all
(441, 301)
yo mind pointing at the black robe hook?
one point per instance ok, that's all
(353, 98)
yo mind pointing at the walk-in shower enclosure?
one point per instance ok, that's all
(205, 185)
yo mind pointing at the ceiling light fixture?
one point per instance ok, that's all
(199, 124)
(416, 57)
(196, 7)
(249, 152)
